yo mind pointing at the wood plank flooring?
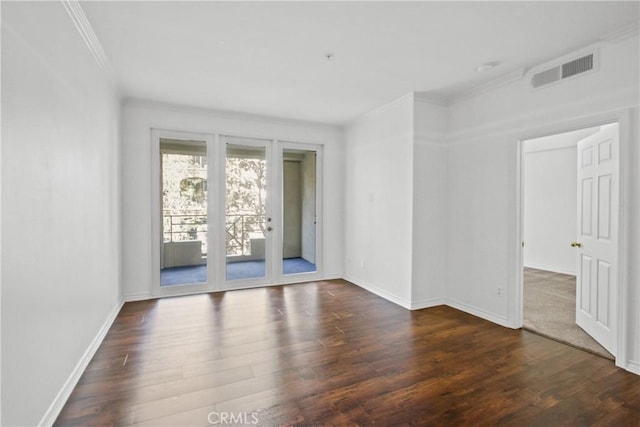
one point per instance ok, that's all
(330, 353)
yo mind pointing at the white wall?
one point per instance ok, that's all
(140, 117)
(378, 201)
(429, 204)
(550, 197)
(60, 201)
(483, 178)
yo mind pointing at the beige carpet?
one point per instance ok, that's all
(550, 310)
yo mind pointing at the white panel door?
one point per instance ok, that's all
(597, 243)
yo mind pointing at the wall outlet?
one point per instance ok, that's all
(499, 291)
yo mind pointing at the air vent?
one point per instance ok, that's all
(545, 77)
(577, 66)
(564, 71)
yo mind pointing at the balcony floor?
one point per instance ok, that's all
(236, 270)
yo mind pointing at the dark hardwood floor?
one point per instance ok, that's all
(330, 353)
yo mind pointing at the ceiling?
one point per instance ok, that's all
(270, 58)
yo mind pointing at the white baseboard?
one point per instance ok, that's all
(332, 277)
(137, 297)
(63, 395)
(431, 302)
(551, 268)
(380, 292)
(502, 321)
(633, 367)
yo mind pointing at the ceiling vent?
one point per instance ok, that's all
(564, 71)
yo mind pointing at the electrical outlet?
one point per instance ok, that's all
(499, 291)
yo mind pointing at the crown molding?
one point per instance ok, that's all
(375, 112)
(503, 80)
(153, 104)
(429, 98)
(622, 33)
(82, 24)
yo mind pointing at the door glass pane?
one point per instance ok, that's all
(245, 210)
(183, 252)
(299, 211)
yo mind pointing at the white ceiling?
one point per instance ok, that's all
(268, 58)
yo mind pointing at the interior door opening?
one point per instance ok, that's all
(558, 206)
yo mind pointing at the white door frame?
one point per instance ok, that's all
(268, 144)
(623, 118)
(156, 213)
(278, 243)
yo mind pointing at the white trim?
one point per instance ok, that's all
(622, 33)
(427, 303)
(63, 395)
(142, 296)
(82, 24)
(431, 99)
(1, 151)
(623, 98)
(487, 86)
(432, 302)
(478, 312)
(226, 114)
(625, 139)
(372, 114)
(550, 268)
(380, 292)
(633, 367)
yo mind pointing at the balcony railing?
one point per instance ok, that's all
(193, 226)
(238, 229)
(186, 226)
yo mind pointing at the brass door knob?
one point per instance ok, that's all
(576, 244)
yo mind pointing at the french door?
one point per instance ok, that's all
(233, 212)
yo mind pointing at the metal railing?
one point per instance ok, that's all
(193, 226)
(185, 226)
(238, 230)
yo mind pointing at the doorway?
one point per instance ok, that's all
(554, 197)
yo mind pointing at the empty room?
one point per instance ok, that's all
(320, 213)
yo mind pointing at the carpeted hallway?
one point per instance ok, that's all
(550, 310)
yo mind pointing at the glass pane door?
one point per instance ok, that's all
(298, 211)
(183, 187)
(247, 226)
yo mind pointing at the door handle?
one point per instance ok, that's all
(576, 244)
